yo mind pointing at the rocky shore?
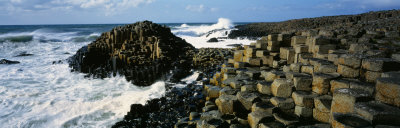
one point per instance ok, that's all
(338, 24)
(143, 52)
(340, 71)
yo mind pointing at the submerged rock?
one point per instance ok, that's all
(4, 61)
(213, 40)
(23, 54)
(142, 51)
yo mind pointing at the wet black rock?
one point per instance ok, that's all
(23, 54)
(143, 52)
(213, 40)
(4, 61)
(165, 112)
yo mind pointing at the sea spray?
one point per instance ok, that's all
(40, 93)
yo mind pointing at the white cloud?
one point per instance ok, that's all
(200, 8)
(110, 7)
(93, 3)
(362, 4)
(195, 8)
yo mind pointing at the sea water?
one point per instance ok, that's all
(42, 91)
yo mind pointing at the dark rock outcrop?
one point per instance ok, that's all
(142, 51)
(342, 23)
(23, 54)
(164, 112)
(212, 40)
(4, 61)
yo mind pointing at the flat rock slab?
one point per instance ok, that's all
(285, 118)
(304, 99)
(281, 87)
(323, 103)
(247, 99)
(349, 121)
(380, 64)
(283, 103)
(264, 87)
(344, 99)
(256, 117)
(388, 91)
(351, 60)
(262, 106)
(321, 81)
(378, 113)
(302, 83)
(226, 103)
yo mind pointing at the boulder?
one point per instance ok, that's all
(285, 118)
(344, 99)
(213, 40)
(302, 83)
(262, 106)
(347, 71)
(378, 113)
(303, 111)
(272, 75)
(249, 88)
(283, 103)
(257, 117)
(264, 87)
(309, 69)
(351, 60)
(380, 64)
(247, 99)
(273, 124)
(226, 103)
(210, 115)
(227, 91)
(321, 116)
(339, 83)
(304, 99)
(320, 84)
(4, 61)
(349, 121)
(388, 91)
(281, 88)
(323, 103)
(213, 92)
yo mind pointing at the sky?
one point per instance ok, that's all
(16, 12)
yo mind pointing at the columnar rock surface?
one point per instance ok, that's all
(142, 51)
(341, 75)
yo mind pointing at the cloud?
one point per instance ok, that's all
(362, 4)
(93, 3)
(200, 8)
(195, 8)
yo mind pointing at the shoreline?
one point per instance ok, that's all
(314, 72)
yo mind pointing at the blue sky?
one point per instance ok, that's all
(178, 11)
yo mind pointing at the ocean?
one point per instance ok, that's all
(41, 91)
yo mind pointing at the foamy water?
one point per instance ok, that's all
(198, 35)
(37, 93)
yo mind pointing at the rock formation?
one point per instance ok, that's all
(142, 52)
(338, 72)
(354, 24)
(4, 61)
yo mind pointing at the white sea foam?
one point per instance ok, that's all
(37, 93)
(199, 35)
